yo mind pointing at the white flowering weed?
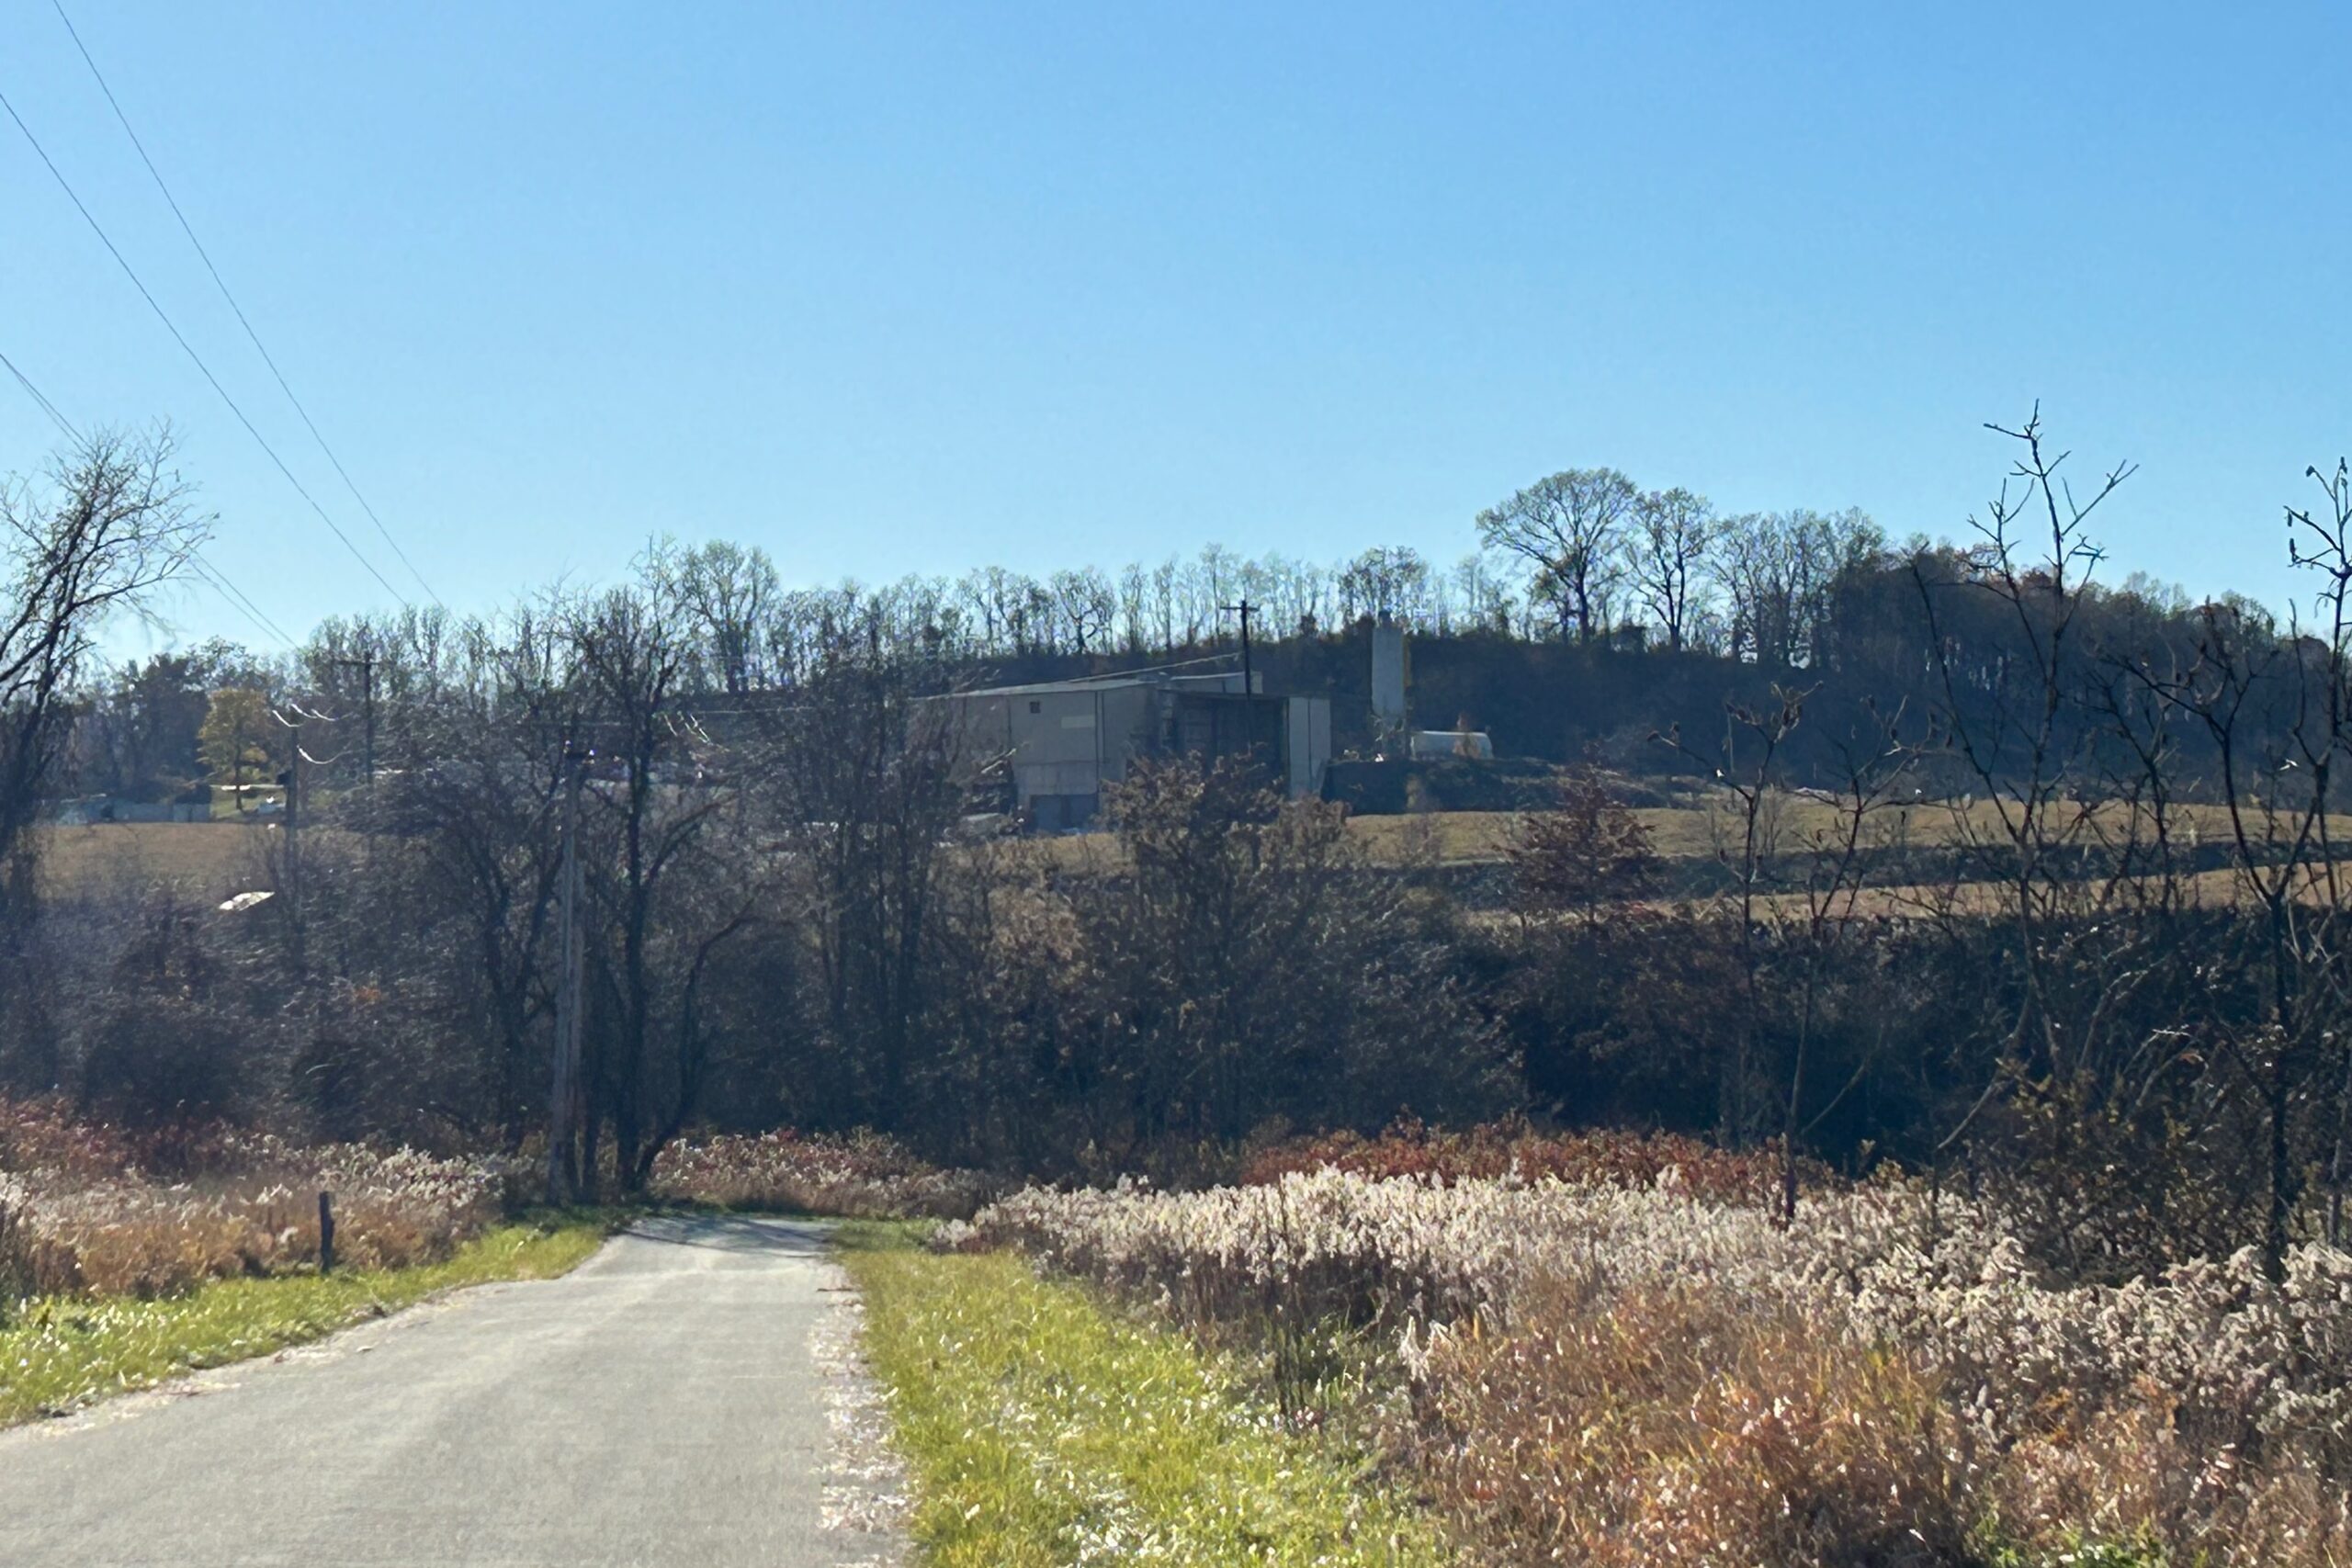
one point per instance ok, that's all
(2208, 1408)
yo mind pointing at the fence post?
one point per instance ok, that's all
(326, 1233)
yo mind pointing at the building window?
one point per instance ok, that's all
(1036, 708)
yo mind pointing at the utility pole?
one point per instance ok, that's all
(292, 779)
(563, 1096)
(294, 836)
(1245, 610)
(365, 665)
(237, 767)
(294, 816)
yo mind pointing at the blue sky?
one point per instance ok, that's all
(913, 288)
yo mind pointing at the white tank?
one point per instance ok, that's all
(1387, 674)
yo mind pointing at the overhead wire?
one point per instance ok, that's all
(209, 574)
(303, 716)
(219, 282)
(42, 398)
(198, 359)
(1149, 669)
(238, 601)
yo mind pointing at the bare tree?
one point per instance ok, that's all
(1748, 565)
(1748, 765)
(1672, 531)
(2321, 542)
(111, 522)
(865, 782)
(1133, 594)
(1779, 571)
(631, 647)
(1163, 602)
(2277, 711)
(729, 591)
(1839, 862)
(1568, 528)
(1087, 604)
(1481, 595)
(2024, 825)
(476, 784)
(1384, 581)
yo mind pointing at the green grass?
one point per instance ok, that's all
(59, 1353)
(2084, 1552)
(1042, 1429)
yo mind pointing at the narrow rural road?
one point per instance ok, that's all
(660, 1405)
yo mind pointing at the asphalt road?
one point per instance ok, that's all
(658, 1405)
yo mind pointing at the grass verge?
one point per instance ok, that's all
(59, 1353)
(1042, 1429)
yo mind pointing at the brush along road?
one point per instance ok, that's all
(659, 1405)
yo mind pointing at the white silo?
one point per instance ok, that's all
(1388, 675)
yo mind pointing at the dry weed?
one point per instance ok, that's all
(1595, 1372)
(863, 1176)
(80, 1212)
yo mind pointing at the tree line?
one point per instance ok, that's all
(1595, 614)
(2017, 879)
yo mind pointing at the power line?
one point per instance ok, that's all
(197, 358)
(221, 284)
(213, 576)
(46, 406)
(239, 602)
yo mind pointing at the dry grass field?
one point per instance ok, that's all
(2196, 890)
(207, 859)
(1790, 825)
(214, 860)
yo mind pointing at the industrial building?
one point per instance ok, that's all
(1059, 742)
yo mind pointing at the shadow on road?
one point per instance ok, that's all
(734, 1233)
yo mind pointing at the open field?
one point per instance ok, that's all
(212, 861)
(1790, 824)
(208, 859)
(2204, 889)
(1916, 901)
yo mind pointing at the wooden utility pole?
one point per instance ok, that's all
(294, 841)
(564, 1093)
(294, 818)
(237, 763)
(365, 665)
(1245, 610)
